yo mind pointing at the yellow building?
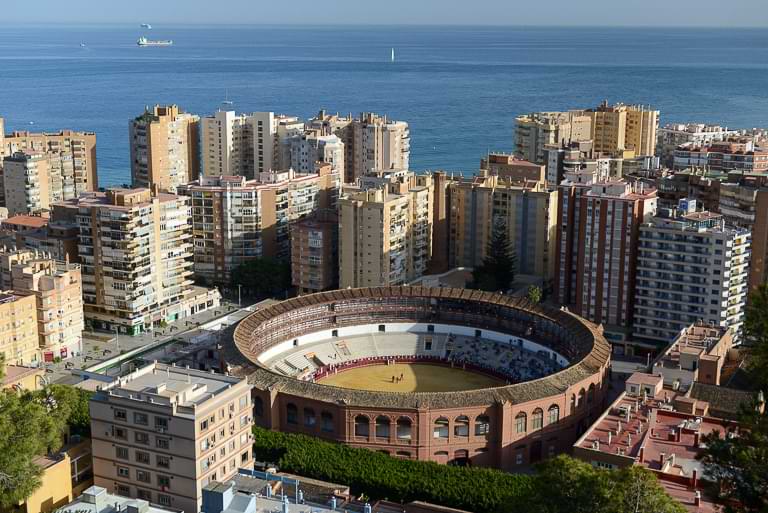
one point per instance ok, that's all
(624, 130)
(22, 378)
(18, 328)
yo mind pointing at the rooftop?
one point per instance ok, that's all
(24, 221)
(97, 500)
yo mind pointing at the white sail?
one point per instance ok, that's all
(393, 55)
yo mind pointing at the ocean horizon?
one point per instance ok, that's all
(459, 87)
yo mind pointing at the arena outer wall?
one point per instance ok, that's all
(496, 427)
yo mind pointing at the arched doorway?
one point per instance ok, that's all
(460, 458)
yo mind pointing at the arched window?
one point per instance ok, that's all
(292, 413)
(537, 419)
(591, 394)
(573, 403)
(382, 426)
(258, 407)
(362, 425)
(554, 414)
(461, 426)
(582, 394)
(482, 425)
(403, 454)
(521, 422)
(441, 428)
(403, 428)
(326, 422)
(309, 418)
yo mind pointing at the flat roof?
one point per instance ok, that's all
(29, 221)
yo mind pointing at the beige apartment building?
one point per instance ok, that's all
(136, 259)
(27, 183)
(385, 231)
(73, 153)
(57, 287)
(535, 131)
(235, 220)
(372, 143)
(510, 168)
(165, 148)
(162, 433)
(18, 328)
(528, 210)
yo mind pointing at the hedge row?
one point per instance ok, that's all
(380, 476)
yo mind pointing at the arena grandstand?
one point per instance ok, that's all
(449, 375)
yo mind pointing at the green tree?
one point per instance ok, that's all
(738, 465)
(535, 295)
(497, 272)
(2, 366)
(640, 492)
(756, 332)
(263, 276)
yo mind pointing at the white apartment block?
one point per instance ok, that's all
(691, 267)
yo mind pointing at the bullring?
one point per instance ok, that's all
(550, 366)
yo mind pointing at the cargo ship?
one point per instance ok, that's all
(143, 41)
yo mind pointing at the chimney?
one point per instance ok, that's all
(697, 499)
(694, 479)
(641, 455)
(696, 439)
(662, 459)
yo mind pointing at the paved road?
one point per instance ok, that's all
(105, 346)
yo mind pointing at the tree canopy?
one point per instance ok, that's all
(32, 424)
(263, 276)
(756, 333)
(497, 271)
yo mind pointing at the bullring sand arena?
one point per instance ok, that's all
(409, 377)
(447, 375)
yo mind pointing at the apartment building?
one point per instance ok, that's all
(315, 252)
(165, 148)
(162, 433)
(698, 184)
(690, 268)
(598, 224)
(528, 210)
(72, 155)
(385, 231)
(57, 287)
(371, 142)
(18, 329)
(573, 157)
(510, 168)
(535, 131)
(235, 220)
(674, 135)
(744, 204)
(728, 157)
(310, 148)
(29, 184)
(247, 144)
(136, 259)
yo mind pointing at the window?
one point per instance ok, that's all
(537, 419)
(292, 414)
(163, 481)
(161, 423)
(163, 443)
(591, 394)
(482, 425)
(124, 490)
(580, 402)
(554, 414)
(141, 438)
(243, 402)
(309, 418)
(163, 461)
(142, 457)
(521, 423)
(404, 427)
(140, 418)
(123, 472)
(326, 422)
(382, 327)
(461, 426)
(519, 458)
(204, 425)
(362, 425)
(245, 457)
(163, 500)
(121, 415)
(441, 428)
(144, 494)
(258, 407)
(382, 426)
(120, 433)
(143, 476)
(121, 453)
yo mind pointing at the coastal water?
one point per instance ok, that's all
(458, 87)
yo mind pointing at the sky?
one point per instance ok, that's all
(696, 13)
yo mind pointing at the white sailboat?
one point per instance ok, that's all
(392, 58)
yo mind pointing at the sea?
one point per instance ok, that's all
(459, 87)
